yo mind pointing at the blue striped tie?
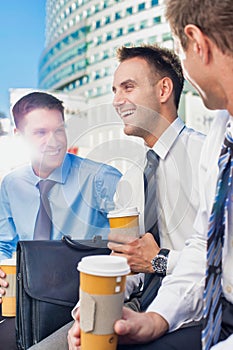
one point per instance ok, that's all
(212, 312)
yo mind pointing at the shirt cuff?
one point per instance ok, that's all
(73, 312)
(172, 260)
(132, 283)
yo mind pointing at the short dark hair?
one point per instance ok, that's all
(212, 17)
(34, 101)
(163, 61)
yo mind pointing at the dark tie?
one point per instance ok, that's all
(212, 313)
(151, 202)
(43, 223)
(152, 282)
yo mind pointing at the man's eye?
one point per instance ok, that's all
(40, 132)
(128, 87)
(60, 131)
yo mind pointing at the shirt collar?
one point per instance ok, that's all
(60, 174)
(166, 140)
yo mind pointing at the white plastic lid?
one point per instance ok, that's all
(123, 212)
(104, 265)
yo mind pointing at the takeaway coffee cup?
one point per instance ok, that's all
(9, 298)
(102, 285)
(125, 221)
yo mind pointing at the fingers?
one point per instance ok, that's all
(125, 327)
(73, 336)
(122, 326)
(3, 284)
(120, 237)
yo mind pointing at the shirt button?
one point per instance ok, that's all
(228, 289)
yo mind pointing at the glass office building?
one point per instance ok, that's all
(82, 36)
(79, 60)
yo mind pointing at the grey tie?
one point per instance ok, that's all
(152, 282)
(43, 223)
(151, 203)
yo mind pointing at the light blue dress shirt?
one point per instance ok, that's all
(80, 201)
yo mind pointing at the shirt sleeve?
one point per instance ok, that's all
(105, 184)
(8, 235)
(172, 260)
(132, 283)
(179, 299)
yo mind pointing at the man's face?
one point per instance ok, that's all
(44, 132)
(136, 96)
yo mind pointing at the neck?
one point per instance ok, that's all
(164, 123)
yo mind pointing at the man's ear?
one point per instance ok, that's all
(166, 89)
(199, 42)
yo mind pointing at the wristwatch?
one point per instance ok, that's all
(159, 262)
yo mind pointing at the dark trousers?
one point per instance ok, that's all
(7, 333)
(182, 339)
(187, 337)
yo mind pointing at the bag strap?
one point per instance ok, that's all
(95, 243)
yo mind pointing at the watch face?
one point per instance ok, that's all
(159, 264)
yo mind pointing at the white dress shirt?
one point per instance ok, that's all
(180, 299)
(179, 150)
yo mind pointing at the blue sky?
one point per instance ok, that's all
(22, 39)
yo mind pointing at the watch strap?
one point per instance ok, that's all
(164, 252)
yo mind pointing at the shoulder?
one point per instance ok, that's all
(16, 175)
(194, 135)
(91, 166)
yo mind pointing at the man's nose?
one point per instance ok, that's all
(52, 139)
(118, 100)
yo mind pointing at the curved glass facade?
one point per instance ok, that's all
(82, 36)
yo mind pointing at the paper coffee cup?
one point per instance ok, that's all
(102, 286)
(125, 221)
(9, 298)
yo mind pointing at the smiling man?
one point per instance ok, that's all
(82, 192)
(147, 86)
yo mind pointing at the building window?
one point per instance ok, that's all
(97, 25)
(117, 16)
(154, 2)
(141, 7)
(107, 20)
(109, 36)
(157, 19)
(131, 28)
(143, 24)
(129, 11)
(119, 32)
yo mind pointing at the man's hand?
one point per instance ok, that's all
(135, 327)
(74, 333)
(138, 251)
(3, 283)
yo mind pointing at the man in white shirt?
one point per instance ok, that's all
(149, 111)
(178, 149)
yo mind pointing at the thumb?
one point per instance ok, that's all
(122, 327)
